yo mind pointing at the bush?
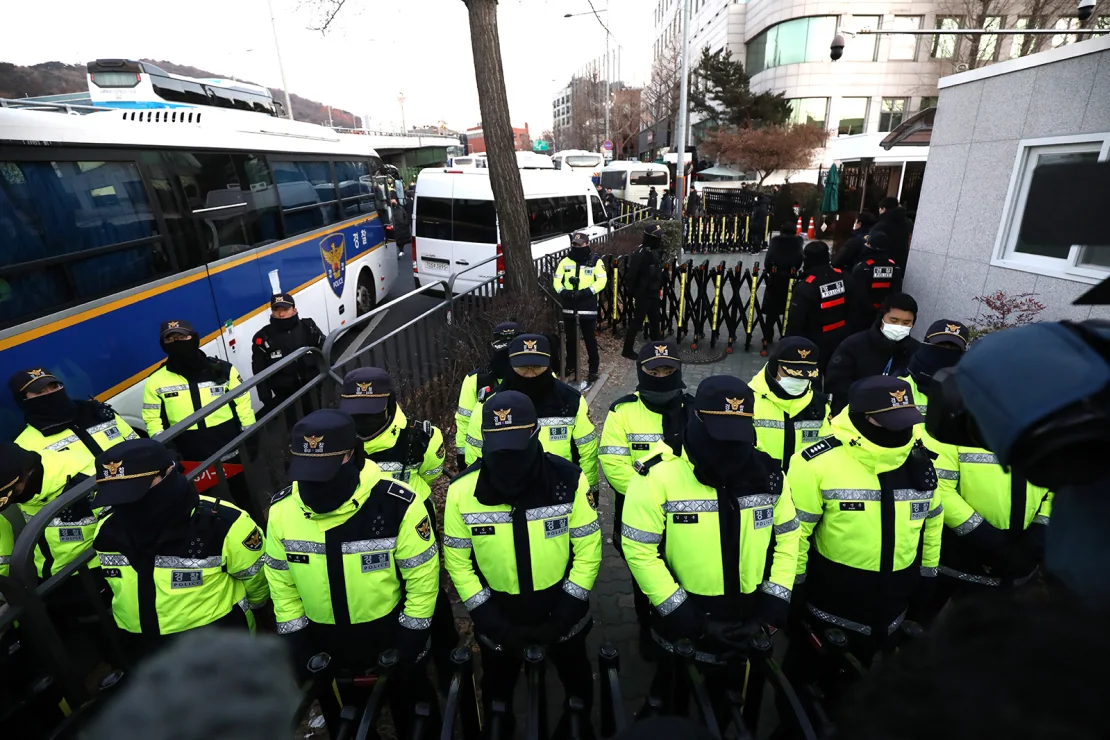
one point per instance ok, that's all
(1001, 311)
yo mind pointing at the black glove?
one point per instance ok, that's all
(986, 537)
(489, 621)
(1034, 539)
(519, 637)
(798, 609)
(771, 609)
(568, 612)
(687, 621)
(573, 282)
(460, 461)
(728, 639)
(411, 643)
(921, 602)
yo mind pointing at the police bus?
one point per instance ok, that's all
(114, 221)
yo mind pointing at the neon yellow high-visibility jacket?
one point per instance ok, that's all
(631, 431)
(409, 452)
(380, 539)
(869, 509)
(580, 297)
(96, 428)
(667, 503)
(565, 429)
(784, 426)
(7, 543)
(209, 571)
(71, 532)
(518, 559)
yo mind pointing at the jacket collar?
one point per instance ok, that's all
(368, 478)
(791, 406)
(389, 437)
(873, 457)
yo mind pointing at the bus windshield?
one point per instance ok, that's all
(648, 178)
(584, 160)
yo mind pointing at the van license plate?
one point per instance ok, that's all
(426, 264)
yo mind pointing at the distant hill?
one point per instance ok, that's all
(55, 78)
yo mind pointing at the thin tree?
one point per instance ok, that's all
(659, 97)
(972, 52)
(785, 149)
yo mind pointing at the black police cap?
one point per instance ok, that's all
(948, 332)
(124, 472)
(797, 356)
(319, 443)
(659, 354)
(366, 391)
(32, 379)
(282, 299)
(178, 326)
(15, 462)
(653, 237)
(726, 405)
(530, 350)
(508, 421)
(886, 399)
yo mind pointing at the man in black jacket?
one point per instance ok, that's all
(883, 349)
(285, 334)
(849, 253)
(783, 255)
(820, 305)
(897, 226)
(875, 277)
(642, 284)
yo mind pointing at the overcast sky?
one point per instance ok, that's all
(374, 52)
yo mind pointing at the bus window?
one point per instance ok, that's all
(51, 212)
(556, 216)
(584, 160)
(355, 196)
(188, 245)
(433, 218)
(307, 195)
(474, 221)
(647, 177)
(613, 179)
(600, 216)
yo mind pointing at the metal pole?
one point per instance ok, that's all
(281, 67)
(901, 182)
(608, 78)
(680, 134)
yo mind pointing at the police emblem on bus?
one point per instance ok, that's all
(898, 398)
(735, 405)
(504, 416)
(113, 469)
(313, 444)
(804, 353)
(333, 253)
(530, 345)
(364, 389)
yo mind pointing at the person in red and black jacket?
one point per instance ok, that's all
(877, 276)
(820, 304)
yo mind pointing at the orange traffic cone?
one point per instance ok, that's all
(800, 226)
(812, 231)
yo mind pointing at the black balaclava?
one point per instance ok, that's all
(325, 496)
(580, 254)
(536, 388)
(717, 464)
(508, 474)
(928, 359)
(499, 360)
(185, 357)
(51, 412)
(659, 393)
(165, 506)
(814, 255)
(878, 435)
(285, 324)
(369, 426)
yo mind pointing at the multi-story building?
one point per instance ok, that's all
(476, 142)
(561, 108)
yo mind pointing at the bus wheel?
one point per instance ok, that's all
(365, 297)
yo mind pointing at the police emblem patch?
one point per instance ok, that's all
(530, 345)
(898, 398)
(113, 469)
(804, 353)
(503, 416)
(253, 541)
(312, 444)
(591, 497)
(734, 405)
(424, 529)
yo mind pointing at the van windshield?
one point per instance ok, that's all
(657, 177)
(584, 160)
(614, 180)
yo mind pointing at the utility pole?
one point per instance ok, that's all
(281, 67)
(608, 77)
(401, 100)
(680, 134)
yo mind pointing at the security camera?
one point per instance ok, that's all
(836, 49)
(1086, 9)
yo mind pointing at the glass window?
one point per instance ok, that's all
(613, 179)
(853, 116)
(809, 110)
(549, 217)
(1103, 24)
(1035, 158)
(50, 213)
(647, 177)
(892, 113)
(904, 48)
(474, 221)
(944, 46)
(987, 50)
(584, 160)
(862, 48)
(791, 42)
(1021, 44)
(433, 218)
(356, 188)
(929, 101)
(307, 194)
(1065, 24)
(600, 216)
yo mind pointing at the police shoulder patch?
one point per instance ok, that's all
(399, 491)
(283, 493)
(820, 448)
(424, 529)
(484, 393)
(253, 541)
(630, 398)
(643, 467)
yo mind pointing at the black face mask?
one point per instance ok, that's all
(535, 388)
(660, 393)
(877, 435)
(499, 361)
(326, 496)
(928, 360)
(184, 355)
(718, 464)
(165, 506)
(50, 412)
(369, 426)
(284, 324)
(580, 254)
(510, 473)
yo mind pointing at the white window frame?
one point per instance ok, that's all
(1029, 150)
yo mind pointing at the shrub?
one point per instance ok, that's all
(1002, 311)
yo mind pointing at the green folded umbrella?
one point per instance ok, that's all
(830, 203)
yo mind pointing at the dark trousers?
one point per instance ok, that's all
(588, 325)
(445, 638)
(501, 669)
(720, 681)
(643, 308)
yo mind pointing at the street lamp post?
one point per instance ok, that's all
(401, 100)
(608, 70)
(680, 133)
(281, 67)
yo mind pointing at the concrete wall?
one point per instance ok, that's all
(982, 117)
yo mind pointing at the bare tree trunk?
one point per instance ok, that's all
(497, 129)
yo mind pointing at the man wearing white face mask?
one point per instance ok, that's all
(790, 414)
(883, 349)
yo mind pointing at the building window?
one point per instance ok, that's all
(929, 101)
(809, 110)
(985, 48)
(1103, 24)
(1065, 24)
(863, 48)
(944, 46)
(904, 48)
(853, 116)
(891, 114)
(791, 42)
(1012, 251)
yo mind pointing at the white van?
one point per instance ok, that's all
(455, 220)
(634, 180)
(580, 160)
(534, 161)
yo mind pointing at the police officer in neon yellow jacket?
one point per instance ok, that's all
(790, 414)
(564, 415)
(867, 495)
(55, 422)
(351, 559)
(175, 560)
(489, 376)
(723, 509)
(579, 278)
(995, 521)
(522, 544)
